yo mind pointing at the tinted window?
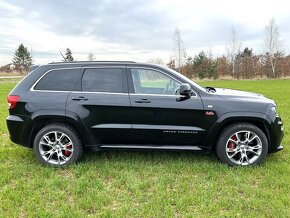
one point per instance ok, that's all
(153, 82)
(58, 80)
(103, 80)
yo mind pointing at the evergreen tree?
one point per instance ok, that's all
(245, 53)
(245, 63)
(22, 58)
(68, 56)
(204, 66)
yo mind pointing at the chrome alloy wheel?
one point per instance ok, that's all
(244, 148)
(56, 148)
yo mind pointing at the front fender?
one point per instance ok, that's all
(232, 117)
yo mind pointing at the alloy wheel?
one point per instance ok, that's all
(56, 148)
(244, 148)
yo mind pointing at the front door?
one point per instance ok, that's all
(160, 116)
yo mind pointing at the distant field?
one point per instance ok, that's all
(11, 74)
(147, 184)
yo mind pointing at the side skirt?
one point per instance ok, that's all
(148, 147)
(195, 149)
(152, 147)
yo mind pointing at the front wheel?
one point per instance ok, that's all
(242, 144)
(57, 145)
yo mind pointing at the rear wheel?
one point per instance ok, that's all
(57, 145)
(242, 144)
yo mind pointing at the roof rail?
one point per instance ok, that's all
(91, 62)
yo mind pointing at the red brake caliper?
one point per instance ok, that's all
(67, 153)
(231, 144)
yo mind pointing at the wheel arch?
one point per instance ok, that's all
(258, 119)
(42, 118)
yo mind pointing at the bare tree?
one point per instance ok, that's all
(156, 61)
(179, 48)
(209, 52)
(91, 56)
(234, 46)
(273, 45)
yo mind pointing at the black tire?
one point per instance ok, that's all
(69, 134)
(229, 145)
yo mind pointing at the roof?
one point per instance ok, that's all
(94, 62)
(86, 63)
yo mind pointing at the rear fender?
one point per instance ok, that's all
(54, 116)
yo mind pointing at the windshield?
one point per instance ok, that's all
(186, 79)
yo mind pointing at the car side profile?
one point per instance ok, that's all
(60, 109)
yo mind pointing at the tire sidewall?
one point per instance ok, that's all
(228, 132)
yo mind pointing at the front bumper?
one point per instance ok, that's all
(277, 134)
(279, 148)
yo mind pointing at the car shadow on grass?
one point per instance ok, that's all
(149, 157)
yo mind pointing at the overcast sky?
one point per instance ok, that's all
(133, 29)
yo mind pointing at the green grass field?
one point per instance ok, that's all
(147, 184)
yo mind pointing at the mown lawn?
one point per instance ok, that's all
(147, 184)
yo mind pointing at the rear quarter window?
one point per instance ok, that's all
(58, 80)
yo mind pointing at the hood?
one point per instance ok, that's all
(231, 92)
(235, 94)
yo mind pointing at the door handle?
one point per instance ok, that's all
(143, 101)
(80, 98)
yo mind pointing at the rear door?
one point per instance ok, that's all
(103, 104)
(159, 114)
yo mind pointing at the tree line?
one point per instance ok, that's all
(237, 63)
(247, 65)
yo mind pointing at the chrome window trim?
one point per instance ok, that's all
(105, 93)
(161, 95)
(118, 93)
(35, 90)
(50, 91)
(68, 68)
(154, 69)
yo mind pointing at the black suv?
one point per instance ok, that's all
(60, 109)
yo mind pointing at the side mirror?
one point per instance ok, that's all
(185, 89)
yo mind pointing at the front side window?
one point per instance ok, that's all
(147, 81)
(103, 80)
(58, 80)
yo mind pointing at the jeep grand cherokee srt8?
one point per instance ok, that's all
(60, 109)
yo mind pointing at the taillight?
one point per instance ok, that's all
(12, 101)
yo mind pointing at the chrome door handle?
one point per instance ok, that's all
(143, 101)
(80, 98)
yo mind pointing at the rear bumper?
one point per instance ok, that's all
(16, 128)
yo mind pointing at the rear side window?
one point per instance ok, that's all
(103, 80)
(58, 80)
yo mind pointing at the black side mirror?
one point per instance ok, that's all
(185, 89)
